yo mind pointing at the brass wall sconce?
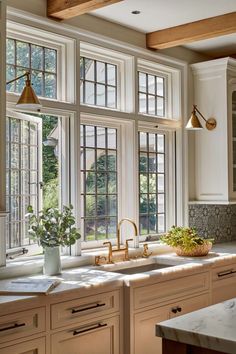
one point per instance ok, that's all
(195, 124)
(28, 98)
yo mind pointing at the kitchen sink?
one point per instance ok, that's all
(141, 269)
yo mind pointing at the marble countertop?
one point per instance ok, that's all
(213, 327)
(91, 277)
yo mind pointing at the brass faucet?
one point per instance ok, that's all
(119, 228)
(119, 249)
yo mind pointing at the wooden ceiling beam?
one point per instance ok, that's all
(65, 9)
(191, 32)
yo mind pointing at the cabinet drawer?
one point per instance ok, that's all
(70, 312)
(22, 324)
(185, 306)
(36, 346)
(97, 337)
(170, 290)
(224, 272)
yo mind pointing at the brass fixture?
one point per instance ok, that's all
(119, 249)
(195, 124)
(119, 228)
(109, 260)
(28, 98)
(146, 254)
(98, 259)
(127, 249)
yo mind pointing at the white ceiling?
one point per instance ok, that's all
(160, 14)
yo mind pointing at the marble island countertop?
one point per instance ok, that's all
(213, 327)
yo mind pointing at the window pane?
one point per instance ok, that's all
(10, 48)
(22, 54)
(89, 69)
(151, 94)
(142, 82)
(111, 74)
(50, 85)
(50, 60)
(37, 81)
(101, 72)
(151, 183)
(142, 103)
(151, 84)
(100, 193)
(89, 93)
(111, 97)
(101, 92)
(36, 57)
(98, 83)
(40, 62)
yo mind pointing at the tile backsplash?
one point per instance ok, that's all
(214, 221)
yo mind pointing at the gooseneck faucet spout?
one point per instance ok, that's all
(119, 230)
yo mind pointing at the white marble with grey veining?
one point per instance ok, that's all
(213, 327)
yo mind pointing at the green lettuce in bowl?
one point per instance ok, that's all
(187, 242)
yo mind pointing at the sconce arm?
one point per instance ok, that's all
(19, 77)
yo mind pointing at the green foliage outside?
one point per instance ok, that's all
(50, 166)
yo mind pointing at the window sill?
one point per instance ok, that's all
(24, 266)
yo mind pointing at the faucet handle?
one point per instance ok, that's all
(127, 249)
(145, 251)
(98, 259)
(108, 243)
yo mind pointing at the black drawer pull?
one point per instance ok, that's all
(226, 272)
(174, 310)
(16, 325)
(87, 308)
(99, 325)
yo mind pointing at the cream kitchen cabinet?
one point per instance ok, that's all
(99, 336)
(36, 346)
(150, 304)
(215, 151)
(223, 283)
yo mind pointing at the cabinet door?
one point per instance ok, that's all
(36, 346)
(101, 337)
(224, 283)
(145, 340)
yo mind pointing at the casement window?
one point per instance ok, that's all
(98, 83)
(151, 94)
(152, 183)
(40, 61)
(33, 161)
(99, 182)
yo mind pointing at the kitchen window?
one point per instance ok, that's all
(98, 83)
(40, 61)
(99, 182)
(152, 185)
(151, 94)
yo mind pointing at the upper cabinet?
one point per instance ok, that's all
(215, 151)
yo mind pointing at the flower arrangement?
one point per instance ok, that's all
(52, 227)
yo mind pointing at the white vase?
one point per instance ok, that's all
(52, 261)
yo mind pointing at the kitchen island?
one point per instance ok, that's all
(211, 330)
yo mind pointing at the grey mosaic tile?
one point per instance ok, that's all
(216, 221)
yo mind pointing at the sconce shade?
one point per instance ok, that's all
(28, 98)
(193, 122)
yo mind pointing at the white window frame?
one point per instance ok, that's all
(125, 74)
(65, 48)
(170, 168)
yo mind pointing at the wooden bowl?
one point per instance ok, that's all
(198, 251)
